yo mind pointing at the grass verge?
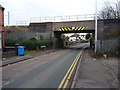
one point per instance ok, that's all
(31, 51)
(98, 55)
(94, 55)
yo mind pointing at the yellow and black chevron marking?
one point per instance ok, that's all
(69, 29)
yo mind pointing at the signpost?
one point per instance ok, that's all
(73, 28)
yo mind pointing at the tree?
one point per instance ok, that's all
(88, 36)
(110, 11)
(66, 38)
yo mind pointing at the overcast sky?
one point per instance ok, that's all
(23, 10)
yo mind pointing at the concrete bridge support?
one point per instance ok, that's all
(92, 41)
(57, 41)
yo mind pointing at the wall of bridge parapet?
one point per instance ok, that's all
(105, 27)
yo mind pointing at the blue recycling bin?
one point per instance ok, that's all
(21, 50)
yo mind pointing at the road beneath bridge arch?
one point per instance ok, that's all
(59, 43)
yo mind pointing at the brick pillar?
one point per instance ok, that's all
(2, 25)
(3, 33)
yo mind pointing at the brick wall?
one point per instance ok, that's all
(2, 24)
(110, 27)
(38, 27)
(0, 19)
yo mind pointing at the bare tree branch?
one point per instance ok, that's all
(110, 12)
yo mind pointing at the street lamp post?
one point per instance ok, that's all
(96, 26)
(8, 18)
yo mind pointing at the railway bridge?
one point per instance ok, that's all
(56, 29)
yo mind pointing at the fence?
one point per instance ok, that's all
(108, 46)
(26, 36)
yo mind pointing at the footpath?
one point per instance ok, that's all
(16, 59)
(97, 73)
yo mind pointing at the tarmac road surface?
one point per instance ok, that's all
(46, 71)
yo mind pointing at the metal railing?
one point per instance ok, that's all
(58, 19)
(22, 23)
(63, 18)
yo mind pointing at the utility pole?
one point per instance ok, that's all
(96, 26)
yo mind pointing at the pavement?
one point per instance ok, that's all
(93, 73)
(16, 59)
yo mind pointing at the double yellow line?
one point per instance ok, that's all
(68, 75)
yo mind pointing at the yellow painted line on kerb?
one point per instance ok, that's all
(67, 76)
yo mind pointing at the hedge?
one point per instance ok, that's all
(31, 44)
